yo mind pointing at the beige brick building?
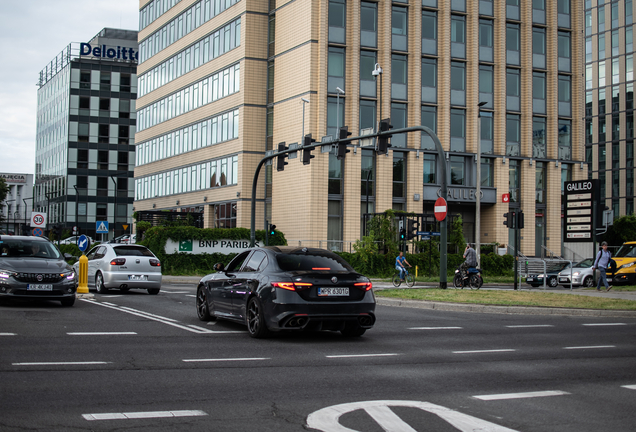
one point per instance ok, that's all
(221, 82)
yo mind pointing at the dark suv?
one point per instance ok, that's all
(33, 268)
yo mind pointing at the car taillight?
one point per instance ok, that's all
(366, 286)
(292, 286)
(118, 261)
(155, 262)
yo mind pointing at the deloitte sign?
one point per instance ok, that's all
(111, 52)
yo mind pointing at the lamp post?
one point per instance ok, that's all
(478, 189)
(377, 71)
(115, 213)
(339, 91)
(304, 101)
(8, 212)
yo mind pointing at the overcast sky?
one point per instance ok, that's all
(32, 33)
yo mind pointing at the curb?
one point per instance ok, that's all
(512, 310)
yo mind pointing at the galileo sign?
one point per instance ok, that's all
(225, 246)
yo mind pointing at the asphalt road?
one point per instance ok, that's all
(146, 363)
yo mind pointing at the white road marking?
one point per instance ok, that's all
(435, 328)
(225, 359)
(148, 313)
(605, 324)
(631, 387)
(530, 325)
(175, 292)
(109, 304)
(204, 330)
(360, 355)
(190, 295)
(504, 396)
(482, 351)
(590, 347)
(100, 333)
(60, 363)
(8, 334)
(143, 415)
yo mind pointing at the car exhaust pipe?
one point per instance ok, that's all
(123, 286)
(365, 320)
(297, 322)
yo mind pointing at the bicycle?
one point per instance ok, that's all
(408, 278)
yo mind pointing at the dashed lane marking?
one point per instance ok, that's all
(61, 363)
(530, 325)
(483, 351)
(435, 328)
(505, 396)
(361, 355)
(100, 333)
(604, 324)
(590, 347)
(631, 387)
(143, 415)
(8, 334)
(225, 359)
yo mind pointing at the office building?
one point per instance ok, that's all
(221, 83)
(16, 208)
(85, 153)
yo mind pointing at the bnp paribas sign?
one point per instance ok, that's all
(207, 246)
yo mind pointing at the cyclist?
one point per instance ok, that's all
(471, 260)
(400, 260)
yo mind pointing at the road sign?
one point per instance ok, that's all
(101, 227)
(429, 233)
(82, 243)
(440, 209)
(505, 198)
(75, 231)
(38, 220)
(37, 232)
(125, 227)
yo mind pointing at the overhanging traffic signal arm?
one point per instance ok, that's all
(343, 134)
(280, 163)
(383, 140)
(413, 227)
(307, 156)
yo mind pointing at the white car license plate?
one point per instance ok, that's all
(40, 287)
(563, 279)
(529, 279)
(333, 292)
(138, 277)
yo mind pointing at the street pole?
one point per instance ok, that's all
(478, 189)
(339, 91)
(304, 101)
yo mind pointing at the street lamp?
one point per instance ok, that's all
(478, 191)
(305, 101)
(339, 91)
(377, 71)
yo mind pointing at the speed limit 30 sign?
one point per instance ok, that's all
(38, 220)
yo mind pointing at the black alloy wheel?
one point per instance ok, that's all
(203, 310)
(254, 319)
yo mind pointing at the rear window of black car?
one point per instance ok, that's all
(132, 251)
(315, 261)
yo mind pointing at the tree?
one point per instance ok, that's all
(623, 229)
(4, 190)
(456, 234)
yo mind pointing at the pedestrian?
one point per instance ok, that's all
(601, 263)
(400, 260)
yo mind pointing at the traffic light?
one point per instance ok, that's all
(402, 234)
(342, 143)
(520, 221)
(307, 156)
(383, 140)
(506, 221)
(413, 226)
(272, 229)
(280, 165)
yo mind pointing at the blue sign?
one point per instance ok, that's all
(101, 227)
(429, 233)
(82, 243)
(37, 232)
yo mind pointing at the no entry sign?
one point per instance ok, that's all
(440, 209)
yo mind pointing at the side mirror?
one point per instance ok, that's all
(68, 256)
(219, 267)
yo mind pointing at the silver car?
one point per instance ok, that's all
(122, 266)
(579, 275)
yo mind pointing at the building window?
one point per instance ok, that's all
(84, 105)
(104, 81)
(565, 52)
(513, 90)
(588, 23)
(458, 83)
(540, 183)
(336, 175)
(367, 80)
(82, 159)
(601, 129)
(514, 180)
(486, 84)
(565, 139)
(429, 119)
(85, 79)
(367, 174)
(399, 76)
(538, 93)
(601, 19)
(487, 172)
(457, 174)
(429, 168)
(565, 96)
(538, 48)
(563, 11)
(458, 130)
(334, 225)
(335, 109)
(486, 39)
(103, 131)
(512, 9)
(539, 150)
(513, 44)
(458, 36)
(429, 80)
(398, 120)
(399, 30)
(538, 11)
(399, 176)
(337, 21)
(224, 215)
(336, 69)
(367, 114)
(485, 7)
(487, 132)
(429, 32)
(628, 17)
(513, 135)
(369, 24)
(102, 186)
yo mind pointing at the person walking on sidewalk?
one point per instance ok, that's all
(601, 263)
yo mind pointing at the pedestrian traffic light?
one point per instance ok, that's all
(520, 221)
(272, 229)
(383, 140)
(413, 226)
(342, 142)
(280, 164)
(307, 156)
(402, 234)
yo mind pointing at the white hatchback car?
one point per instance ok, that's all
(580, 274)
(122, 266)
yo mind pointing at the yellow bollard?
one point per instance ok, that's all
(82, 288)
(416, 270)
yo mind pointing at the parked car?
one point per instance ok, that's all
(288, 288)
(121, 239)
(112, 265)
(74, 239)
(551, 275)
(625, 258)
(579, 275)
(33, 268)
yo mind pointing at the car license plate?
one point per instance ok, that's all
(333, 292)
(563, 279)
(529, 279)
(137, 277)
(40, 287)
